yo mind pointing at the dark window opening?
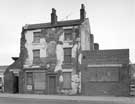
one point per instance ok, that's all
(67, 55)
(36, 57)
(36, 37)
(68, 34)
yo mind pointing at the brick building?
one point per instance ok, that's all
(61, 57)
(49, 54)
(105, 72)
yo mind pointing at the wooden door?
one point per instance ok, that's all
(52, 85)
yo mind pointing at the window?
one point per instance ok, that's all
(36, 37)
(103, 74)
(77, 32)
(0, 80)
(67, 55)
(66, 80)
(39, 81)
(29, 78)
(68, 34)
(36, 57)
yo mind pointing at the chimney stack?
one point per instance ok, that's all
(91, 42)
(96, 46)
(82, 12)
(53, 17)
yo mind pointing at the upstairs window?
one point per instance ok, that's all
(67, 55)
(36, 37)
(68, 34)
(36, 57)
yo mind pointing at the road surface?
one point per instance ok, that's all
(6, 100)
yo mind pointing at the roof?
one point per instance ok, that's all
(49, 25)
(16, 64)
(3, 68)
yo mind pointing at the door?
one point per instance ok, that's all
(15, 85)
(52, 85)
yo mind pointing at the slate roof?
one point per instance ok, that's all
(49, 25)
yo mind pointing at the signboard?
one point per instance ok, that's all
(29, 87)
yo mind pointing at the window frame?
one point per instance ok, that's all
(68, 33)
(64, 81)
(36, 58)
(35, 81)
(29, 76)
(36, 37)
(68, 55)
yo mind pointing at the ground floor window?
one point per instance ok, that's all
(0, 80)
(29, 80)
(39, 81)
(35, 80)
(66, 80)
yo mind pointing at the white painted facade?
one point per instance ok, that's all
(83, 44)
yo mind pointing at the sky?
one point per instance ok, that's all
(112, 22)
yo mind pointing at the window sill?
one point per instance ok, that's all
(35, 43)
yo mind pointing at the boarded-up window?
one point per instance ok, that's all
(36, 37)
(36, 57)
(39, 81)
(67, 80)
(67, 55)
(103, 74)
(68, 34)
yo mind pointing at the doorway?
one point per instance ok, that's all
(15, 84)
(52, 84)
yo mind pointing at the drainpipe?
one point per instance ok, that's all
(77, 54)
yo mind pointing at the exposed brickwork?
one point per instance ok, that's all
(8, 82)
(116, 88)
(106, 56)
(23, 50)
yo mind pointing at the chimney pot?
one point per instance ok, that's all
(53, 17)
(82, 12)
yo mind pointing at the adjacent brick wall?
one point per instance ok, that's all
(112, 88)
(120, 56)
(8, 82)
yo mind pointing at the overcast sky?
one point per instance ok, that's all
(112, 22)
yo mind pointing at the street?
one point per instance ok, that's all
(6, 100)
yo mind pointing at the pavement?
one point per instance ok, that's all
(127, 100)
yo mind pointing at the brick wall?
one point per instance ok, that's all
(8, 82)
(104, 57)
